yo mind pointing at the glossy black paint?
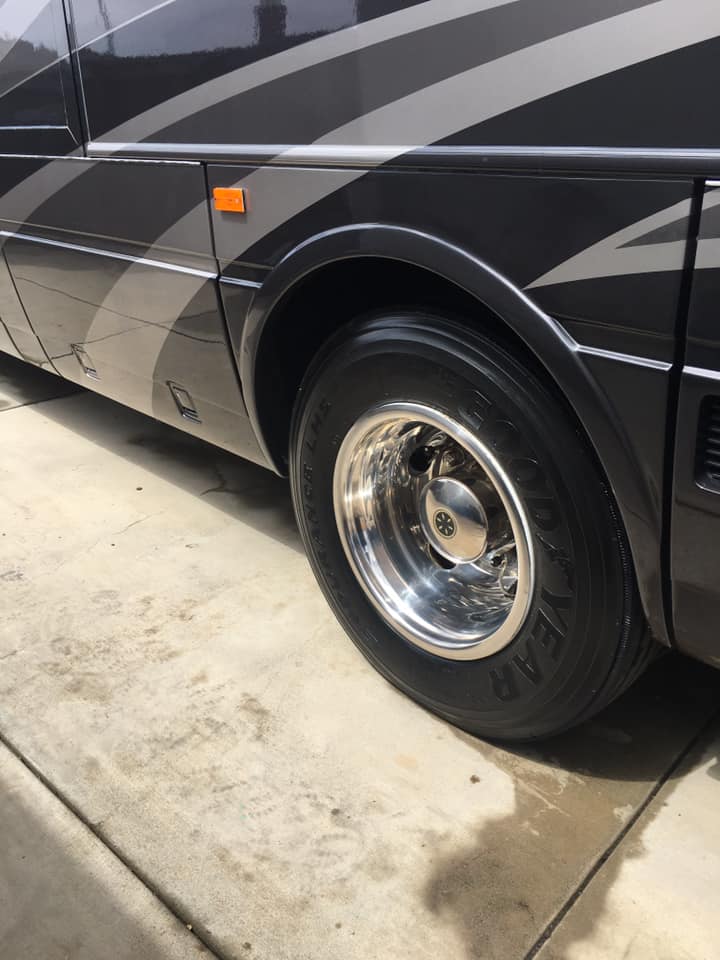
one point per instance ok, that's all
(510, 222)
(566, 213)
(142, 65)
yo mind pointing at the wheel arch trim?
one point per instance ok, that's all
(561, 356)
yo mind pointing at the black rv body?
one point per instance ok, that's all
(539, 173)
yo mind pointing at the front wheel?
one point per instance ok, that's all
(461, 529)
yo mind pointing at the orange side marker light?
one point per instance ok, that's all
(230, 199)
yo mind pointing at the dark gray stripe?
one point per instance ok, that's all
(291, 61)
(532, 72)
(299, 108)
(709, 225)
(670, 233)
(25, 197)
(623, 254)
(710, 220)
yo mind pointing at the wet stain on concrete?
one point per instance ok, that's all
(586, 917)
(168, 653)
(92, 768)
(409, 763)
(88, 686)
(184, 611)
(505, 885)
(257, 714)
(109, 600)
(486, 889)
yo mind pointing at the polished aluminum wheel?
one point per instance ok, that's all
(434, 530)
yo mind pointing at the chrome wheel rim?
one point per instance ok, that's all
(435, 531)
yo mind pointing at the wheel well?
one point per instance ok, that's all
(333, 295)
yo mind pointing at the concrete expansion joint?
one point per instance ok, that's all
(167, 902)
(616, 843)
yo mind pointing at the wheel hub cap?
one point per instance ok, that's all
(434, 530)
(453, 520)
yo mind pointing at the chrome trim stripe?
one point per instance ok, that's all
(250, 284)
(75, 159)
(625, 358)
(363, 155)
(38, 126)
(140, 261)
(274, 153)
(702, 372)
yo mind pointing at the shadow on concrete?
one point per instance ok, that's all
(632, 738)
(649, 713)
(22, 383)
(637, 741)
(241, 489)
(627, 741)
(63, 895)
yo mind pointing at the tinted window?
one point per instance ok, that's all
(33, 51)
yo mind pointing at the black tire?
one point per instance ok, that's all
(584, 638)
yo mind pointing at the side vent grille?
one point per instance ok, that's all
(184, 402)
(707, 461)
(83, 358)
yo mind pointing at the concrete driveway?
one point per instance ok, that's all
(195, 759)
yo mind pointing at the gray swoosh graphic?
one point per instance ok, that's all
(444, 108)
(20, 202)
(709, 228)
(671, 232)
(708, 254)
(624, 252)
(710, 220)
(340, 89)
(349, 40)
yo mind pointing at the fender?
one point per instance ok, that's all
(573, 368)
